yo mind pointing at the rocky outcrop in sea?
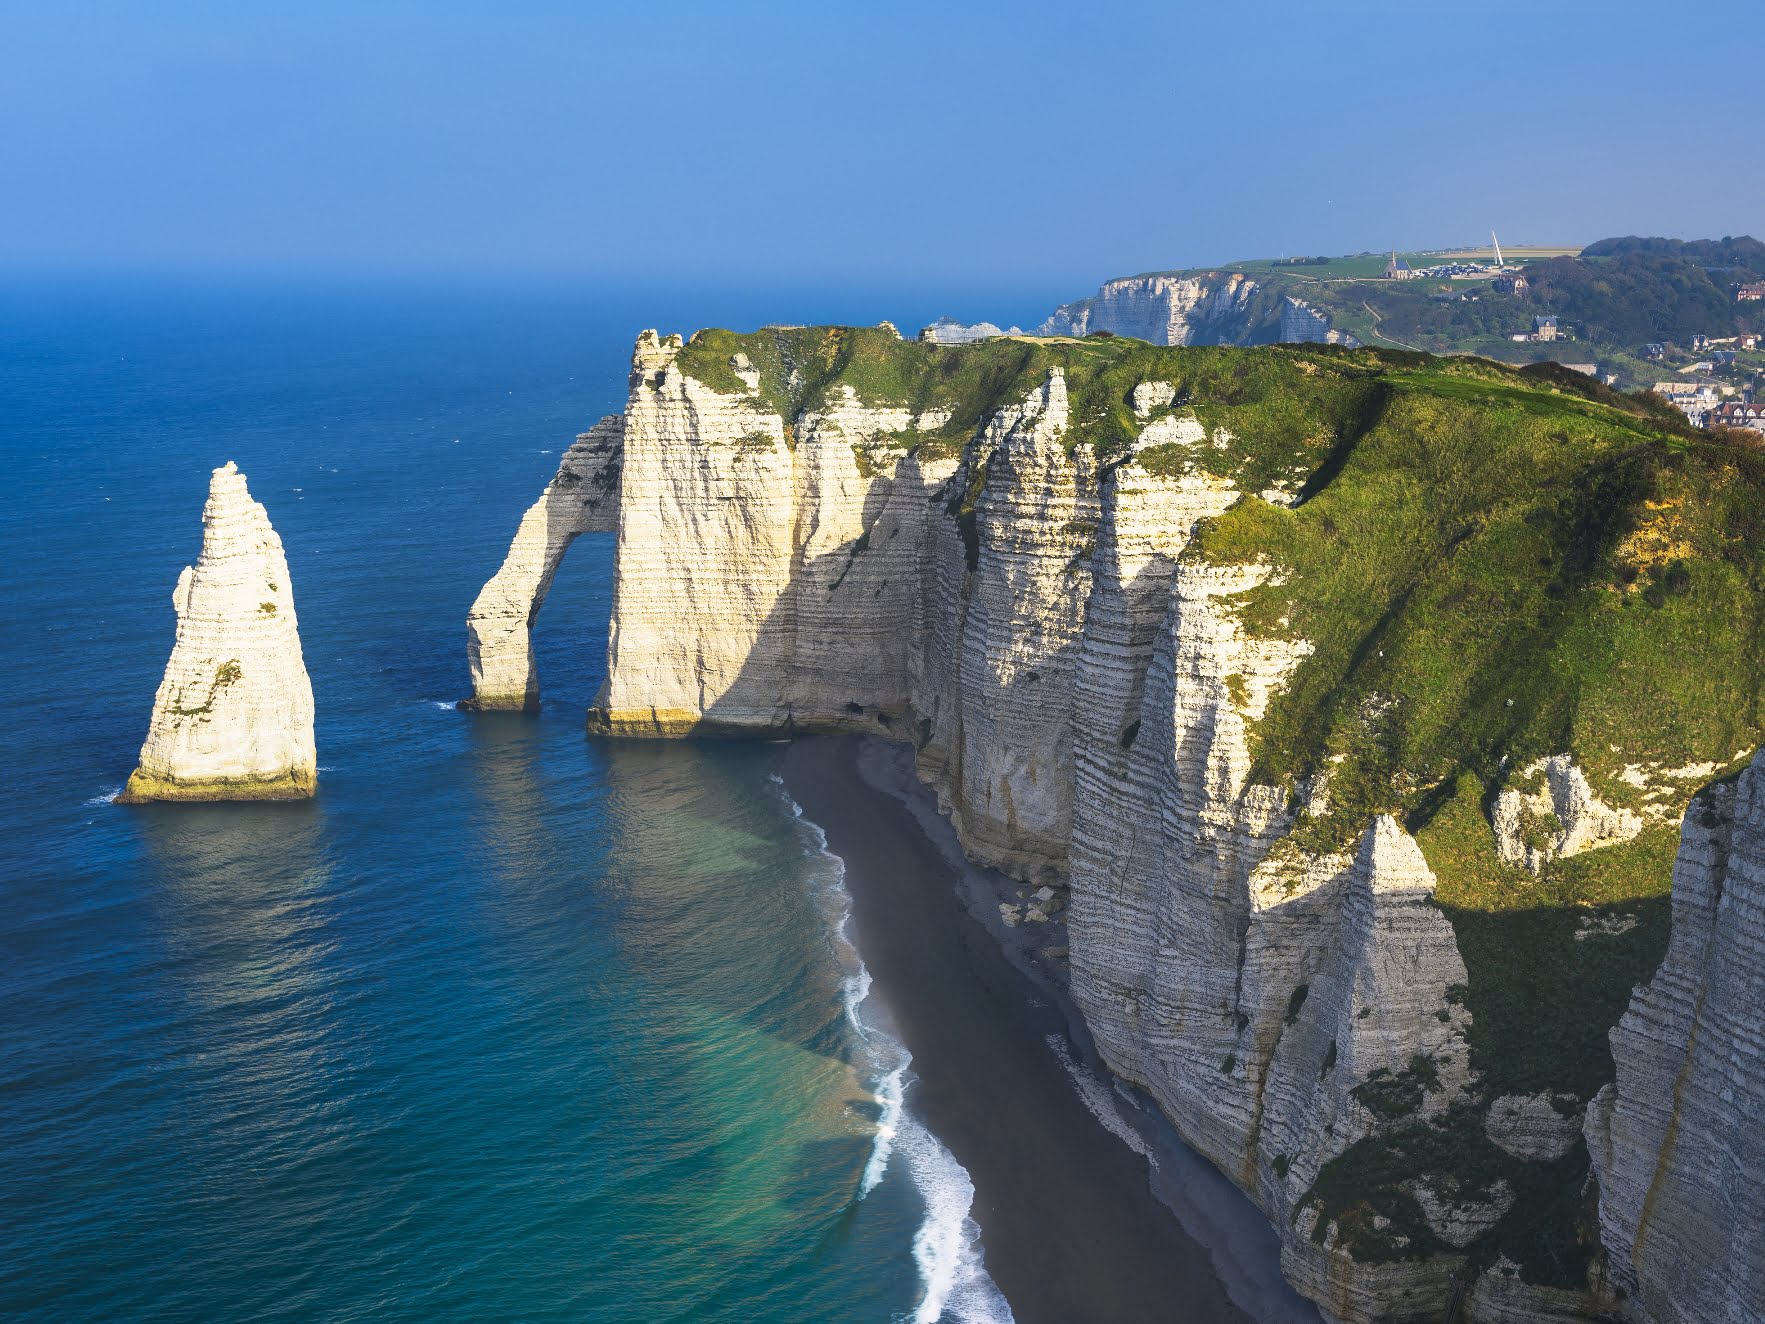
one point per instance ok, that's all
(581, 498)
(233, 717)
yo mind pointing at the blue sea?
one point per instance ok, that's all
(507, 1023)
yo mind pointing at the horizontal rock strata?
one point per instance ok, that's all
(233, 717)
(1678, 1140)
(814, 543)
(761, 578)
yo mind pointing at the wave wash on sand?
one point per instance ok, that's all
(954, 1282)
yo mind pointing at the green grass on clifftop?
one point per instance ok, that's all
(1491, 571)
(1491, 566)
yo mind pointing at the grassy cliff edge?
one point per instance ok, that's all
(1494, 567)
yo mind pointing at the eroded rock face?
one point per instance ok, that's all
(1150, 396)
(233, 717)
(1678, 1139)
(1081, 694)
(999, 697)
(1161, 903)
(1561, 817)
(764, 566)
(1210, 308)
(1166, 310)
(1301, 324)
(1352, 1033)
(1502, 1296)
(948, 331)
(1539, 1127)
(583, 497)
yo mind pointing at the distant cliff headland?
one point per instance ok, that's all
(1635, 310)
(1385, 719)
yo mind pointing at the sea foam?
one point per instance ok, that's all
(954, 1283)
(1099, 1099)
(947, 1247)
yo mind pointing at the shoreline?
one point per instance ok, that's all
(1073, 1193)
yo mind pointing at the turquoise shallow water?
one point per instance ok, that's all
(507, 1024)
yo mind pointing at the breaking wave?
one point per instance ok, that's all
(954, 1283)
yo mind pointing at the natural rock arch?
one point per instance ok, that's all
(583, 497)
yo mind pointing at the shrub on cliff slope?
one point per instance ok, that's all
(1492, 573)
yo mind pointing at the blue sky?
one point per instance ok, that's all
(979, 143)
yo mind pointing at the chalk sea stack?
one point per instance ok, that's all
(233, 718)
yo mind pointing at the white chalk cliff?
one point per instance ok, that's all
(1215, 308)
(1678, 1140)
(1562, 817)
(1081, 695)
(948, 331)
(1166, 310)
(233, 718)
(1301, 324)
